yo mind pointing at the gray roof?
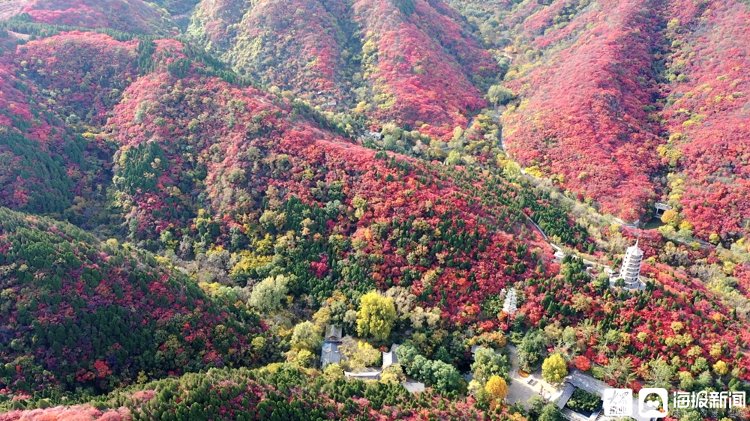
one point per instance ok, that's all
(413, 387)
(390, 358)
(330, 354)
(363, 375)
(566, 395)
(333, 333)
(586, 382)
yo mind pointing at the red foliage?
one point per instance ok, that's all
(102, 369)
(265, 146)
(50, 88)
(92, 69)
(709, 109)
(425, 62)
(646, 321)
(582, 363)
(420, 65)
(307, 33)
(98, 288)
(320, 268)
(742, 273)
(584, 116)
(124, 15)
(69, 413)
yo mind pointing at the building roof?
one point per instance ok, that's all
(333, 333)
(586, 382)
(413, 387)
(634, 250)
(330, 354)
(364, 375)
(389, 358)
(566, 395)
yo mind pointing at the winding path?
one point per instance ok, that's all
(559, 248)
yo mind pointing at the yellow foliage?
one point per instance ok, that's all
(497, 388)
(248, 262)
(677, 327)
(715, 350)
(686, 226)
(670, 217)
(534, 171)
(729, 267)
(721, 368)
(554, 368)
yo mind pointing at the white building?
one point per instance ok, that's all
(510, 306)
(630, 272)
(363, 375)
(390, 358)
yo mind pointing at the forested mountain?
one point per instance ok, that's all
(630, 102)
(189, 185)
(586, 91)
(123, 15)
(707, 114)
(412, 62)
(78, 313)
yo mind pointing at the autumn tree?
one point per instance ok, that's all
(721, 368)
(376, 316)
(670, 217)
(488, 363)
(582, 363)
(306, 335)
(358, 354)
(499, 95)
(531, 350)
(269, 293)
(393, 374)
(554, 368)
(496, 388)
(661, 373)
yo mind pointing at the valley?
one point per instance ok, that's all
(193, 194)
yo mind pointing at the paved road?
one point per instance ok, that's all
(520, 391)
(558, 248)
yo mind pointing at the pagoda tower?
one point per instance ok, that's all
(631, 266)
(510, 306)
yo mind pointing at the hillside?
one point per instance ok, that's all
(187, 209)
(613, 105)
(238, 181)
(254, 171)
(583, 116)
(81, 314)
(123, 15)
(50, 117)
(202, 164)
(410, 61)
(280, 391)
(707, 117)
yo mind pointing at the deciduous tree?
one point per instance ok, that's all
(554, 368)
(376, 316)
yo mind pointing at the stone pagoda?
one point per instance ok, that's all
(630, 272)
